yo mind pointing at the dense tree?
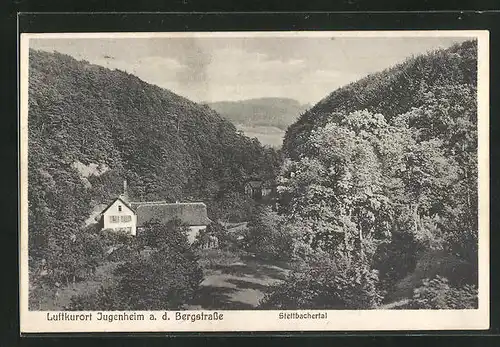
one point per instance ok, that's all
(337, 190)
(436, 293)
(391, 92)
(384, 171)
(325, 283)
(165, 277)
(265, 235)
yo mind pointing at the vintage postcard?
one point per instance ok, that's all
(254, 181)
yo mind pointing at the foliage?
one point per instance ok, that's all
(232, 207)
(395, 260)
(391, 92)
(215, 258)
(384, 170)
(265, 235)
(105, 298)
(74, 258)
(436, 293)
(216, 235)
(338, 191)
(325, 283)
(414, 130)
(376, 174)
(164, 278)
(157, 235)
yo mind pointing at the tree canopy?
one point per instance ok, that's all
(385, 164)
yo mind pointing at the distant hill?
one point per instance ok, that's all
(274, 112)
(267, 135)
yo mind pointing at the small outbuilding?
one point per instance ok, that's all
(259, 190)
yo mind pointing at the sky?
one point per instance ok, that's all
(208, 69)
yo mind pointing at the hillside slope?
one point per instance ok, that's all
(390, 163)
(91, 127)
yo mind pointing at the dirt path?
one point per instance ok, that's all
(237, 286)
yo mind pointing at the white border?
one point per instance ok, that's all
(338, 320)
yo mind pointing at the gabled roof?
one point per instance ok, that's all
(135, 204)
(261, 184)
(255, 184)
(191, 214)
(119, 199)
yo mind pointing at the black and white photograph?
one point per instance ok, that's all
(300, 175)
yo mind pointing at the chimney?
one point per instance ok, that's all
(124, 195)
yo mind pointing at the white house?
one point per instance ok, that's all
(119, 216)
(130, 217)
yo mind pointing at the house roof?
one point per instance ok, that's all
(255, 184)
(191, 214)
(119, 199)
(135, 204)
(260, 184)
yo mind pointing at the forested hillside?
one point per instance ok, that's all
(275, 112)
(91, 127)
(379, 189)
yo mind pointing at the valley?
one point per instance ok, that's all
(367, 198)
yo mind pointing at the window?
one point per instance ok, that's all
(126, 219)
(114, 219)
(119, 208)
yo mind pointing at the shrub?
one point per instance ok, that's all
(437, 293)
(231, 207)
(157, 235)
(266, 236)
(113, 237)
(215, 235)
(74, 259)
(213, 258)
(326, 284)
(167, 277)
(104, 299)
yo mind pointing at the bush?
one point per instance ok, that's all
(74, 259)
(105, 299)
(326, 284)
(113, 237)
(215, 236)
(266, 236)
(165, 278)
(231, 207)
(437, 293)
